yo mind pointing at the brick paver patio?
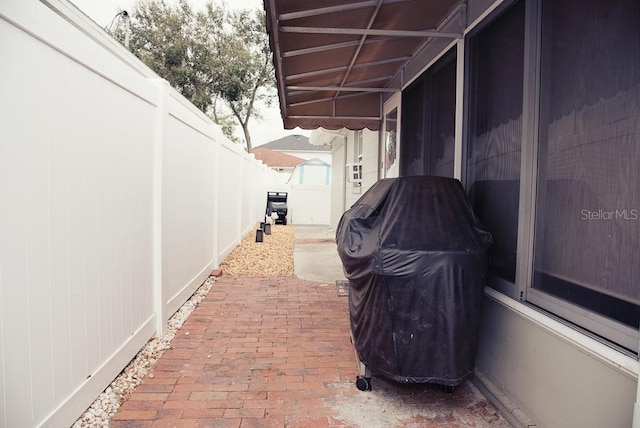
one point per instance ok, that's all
(275, 352)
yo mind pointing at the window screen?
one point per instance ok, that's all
(495, 132)
(428, 121)
(442, 117)
(413, 133)
(587, 235)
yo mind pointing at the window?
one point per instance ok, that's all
(587, 224)
(442, 117)
(496, 55)
(428, 122)
(358, 141)
(391, 144)
(413, 107)
(578, 157)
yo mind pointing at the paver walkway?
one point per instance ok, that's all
(275, 352)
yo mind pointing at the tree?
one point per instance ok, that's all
(161, 36)
(210, 56)
(246, 77)
(242, 71)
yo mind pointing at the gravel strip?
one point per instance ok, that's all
(272, 257)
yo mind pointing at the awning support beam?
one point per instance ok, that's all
(326, 99)
(363, 38)
(344, 67)
(333, 9)
(352, 84)
(370, 32)
(340, 89)
(333, 46)
(336, 117)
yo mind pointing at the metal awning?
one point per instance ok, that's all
(334, 59)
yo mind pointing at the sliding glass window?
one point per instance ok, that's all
(587, 224)
(493, 152)
(428, 121)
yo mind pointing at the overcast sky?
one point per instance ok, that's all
(269, 129)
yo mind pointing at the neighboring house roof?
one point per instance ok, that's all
(274, 159)
(298, 143)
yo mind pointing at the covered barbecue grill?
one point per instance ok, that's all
(415, 258)
(277, 202)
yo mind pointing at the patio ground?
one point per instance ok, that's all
(275, 352)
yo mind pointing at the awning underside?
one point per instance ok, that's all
(334, 58)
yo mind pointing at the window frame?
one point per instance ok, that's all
(518, 289)
(427, 99)
(393, 103)
(612, 333)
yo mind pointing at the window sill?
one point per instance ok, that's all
(598, 350)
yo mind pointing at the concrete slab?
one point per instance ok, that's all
(315, 257)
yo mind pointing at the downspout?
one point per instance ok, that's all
(344, 181)
(337, 134)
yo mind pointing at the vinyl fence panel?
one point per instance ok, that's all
(117, 199)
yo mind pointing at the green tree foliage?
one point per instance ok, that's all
(211, 56)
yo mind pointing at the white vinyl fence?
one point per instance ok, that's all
(117, 199)
(310, 204)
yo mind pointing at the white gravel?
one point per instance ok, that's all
(107, 404)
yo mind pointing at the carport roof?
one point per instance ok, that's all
(334, 59)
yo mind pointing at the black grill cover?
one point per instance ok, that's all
(415, 258)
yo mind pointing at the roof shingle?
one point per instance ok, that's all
(295, 143)
(274, 159)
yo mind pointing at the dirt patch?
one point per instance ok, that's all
(391, 404)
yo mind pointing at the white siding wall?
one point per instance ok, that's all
(370, 159)
(343, 194)
(338, 181)
(351, 192)
(107, 176)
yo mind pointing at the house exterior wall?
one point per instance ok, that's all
(338, 180)
(344, 151)
(370, 159)
(352, 191)
(544, 373)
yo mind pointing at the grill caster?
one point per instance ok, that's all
(448, 389)
(363, 383)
